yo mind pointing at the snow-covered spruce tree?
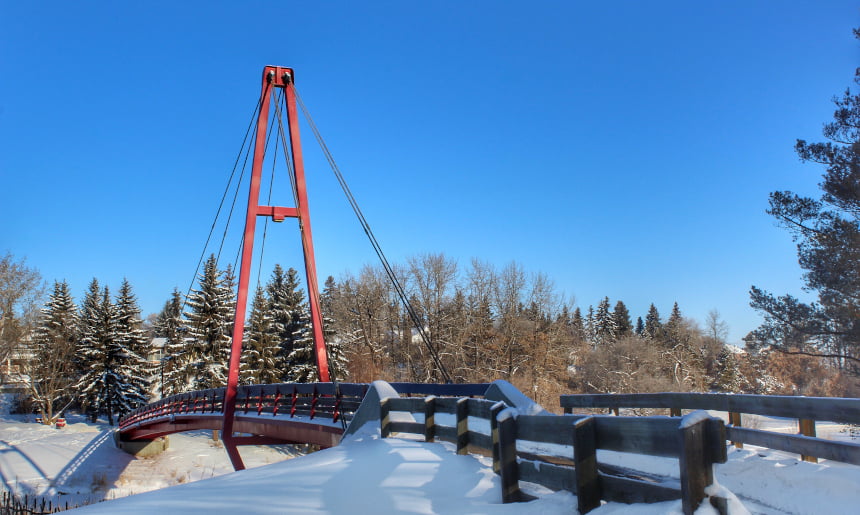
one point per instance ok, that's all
(577, 326)
(171, 326)
(52, 370)
(104, 383)
(115, 381)
(134, 348)
(673, 331)
(338, 361)
(90, 353)
(653, 325)
(204, 364)
(337, 358)
(728, 377)
(621, 316)
(302, 365)
(290, 323)
(590, 326)
(605, 330)
(260, 355)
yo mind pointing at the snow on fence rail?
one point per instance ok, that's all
(698, 445)
(806, 409)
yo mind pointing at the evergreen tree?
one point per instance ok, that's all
(621, 317)
(653, 325)
(114, 383)
(327, 297)
(640, 327)
(590, 332)
(728, 375)
(337, 359)
(204, 363)
(577, 326)
(605, 329)
(171, 326)
(302, 364)
(134, 348)
(672, 331)
(827, 232)
(260, 364)
(91, 353)
(52, 370)
(291, 324)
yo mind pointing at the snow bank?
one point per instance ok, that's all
(363, 475)
(501, 390)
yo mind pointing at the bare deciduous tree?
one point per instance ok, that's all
(20, 292)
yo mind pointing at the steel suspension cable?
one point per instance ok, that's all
(373, 241)
(311, 280)
(287, 155)
(236, 195)
(278, 99)
(221, 204)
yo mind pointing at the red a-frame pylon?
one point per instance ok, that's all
(273, 77)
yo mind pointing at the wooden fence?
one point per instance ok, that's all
(11, 504)
(806, 410)
(697, 441)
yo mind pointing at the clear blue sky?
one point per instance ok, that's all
(623, 148)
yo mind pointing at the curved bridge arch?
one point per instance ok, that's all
(298, 413)
(314, 413)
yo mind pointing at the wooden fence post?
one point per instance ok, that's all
(384, 418)
(735, 420)
(807, 428)
(430, 419)
(508, 469)
(588, 491)
(674, 412)
(495, 409)
(696, 462)
(463, 426)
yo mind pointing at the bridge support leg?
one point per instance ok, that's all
(233, 453)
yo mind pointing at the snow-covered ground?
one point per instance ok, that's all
(80, 463)
(367, 474)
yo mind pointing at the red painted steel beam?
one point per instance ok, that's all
(307, 238)
(276, 430)
(269, 80)
(277, 213)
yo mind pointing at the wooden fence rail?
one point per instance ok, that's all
(696, 440)
(805, 409)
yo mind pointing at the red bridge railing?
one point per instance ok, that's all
(316, 401)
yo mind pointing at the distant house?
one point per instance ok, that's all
(157, 350)
(13, 376)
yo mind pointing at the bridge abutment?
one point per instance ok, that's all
(142, 448)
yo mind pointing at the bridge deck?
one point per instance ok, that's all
(280, 429)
